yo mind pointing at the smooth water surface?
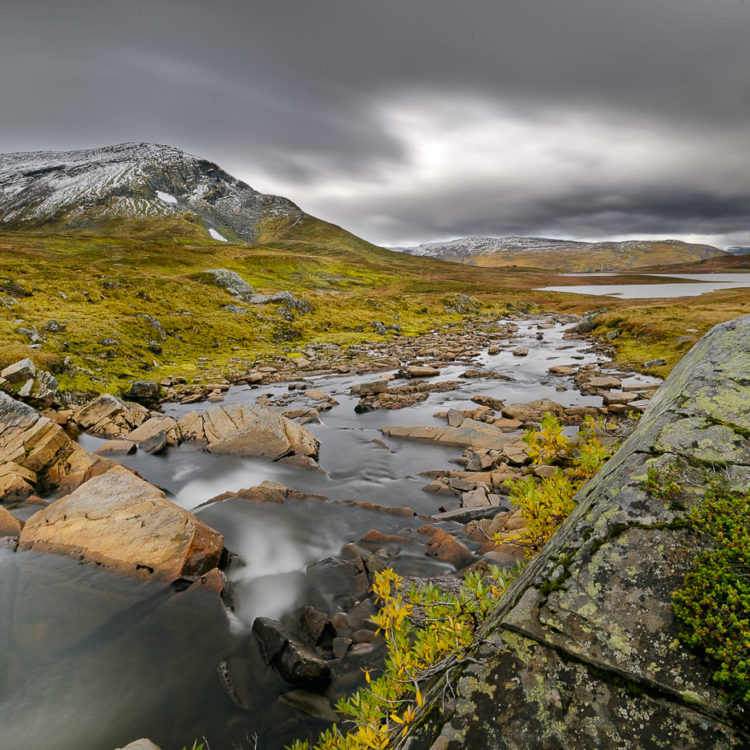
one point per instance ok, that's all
(695, 284)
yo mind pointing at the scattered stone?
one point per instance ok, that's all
(562, 370)
(532, 411)
(312, 704)
(520, 351)
(54, 326)
(470, 434)
(421, 371)
(659, 362)
(612, 398)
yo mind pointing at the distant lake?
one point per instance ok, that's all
(693, 285)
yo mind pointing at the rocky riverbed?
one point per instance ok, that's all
(201, 566)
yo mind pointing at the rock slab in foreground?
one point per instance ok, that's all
(248, 430)
(582, 651)
(120, 521)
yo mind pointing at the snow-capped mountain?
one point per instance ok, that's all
(543, 252)
(129, 181)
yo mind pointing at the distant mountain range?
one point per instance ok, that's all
(563, 255)
(131, 181)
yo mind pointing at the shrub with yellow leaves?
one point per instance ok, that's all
(387, 706)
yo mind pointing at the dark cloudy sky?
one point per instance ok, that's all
(413, 120)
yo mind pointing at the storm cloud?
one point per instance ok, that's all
(413, 120)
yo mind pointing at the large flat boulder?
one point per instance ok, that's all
(35, 452)
(120, 521)
(583, 649)
(469, 433)
(248, 430)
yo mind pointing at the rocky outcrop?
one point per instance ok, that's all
(582, 651)
(35, 451)
(110, 417)
(241, 290)
(249, 430)
(120, 521)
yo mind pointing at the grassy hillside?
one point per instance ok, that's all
(601, 256)
(100, 285)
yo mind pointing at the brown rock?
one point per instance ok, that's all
(421, 371)
(154, 426)
(248, 430)
(9, 524)
(444, 546)
(532, 411)
(110, 417)
(116, 448)
(120, 521)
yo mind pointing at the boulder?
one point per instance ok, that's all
(248, 430)
(120, 521)
(110, 417)
(143, 391)
(469, 433)
(19, 372)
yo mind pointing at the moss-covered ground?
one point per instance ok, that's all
(101, 284)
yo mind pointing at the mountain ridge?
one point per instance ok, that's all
(574, 255)
(131, 181)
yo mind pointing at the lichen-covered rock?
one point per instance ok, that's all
(582, 651)
(120, 521)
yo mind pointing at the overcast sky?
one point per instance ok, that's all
(413, 120)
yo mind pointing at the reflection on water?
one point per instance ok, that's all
(92, 661)
(694, 285)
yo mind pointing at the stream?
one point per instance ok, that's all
(92, 660)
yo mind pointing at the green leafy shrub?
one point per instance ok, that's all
(713, 603)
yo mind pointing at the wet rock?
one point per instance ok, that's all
(602, 382)
(373, 388)
(341, 646)
(248, 430)
(156, 443)
(520, 351)
(120, 521)
(295, 662)
(312, 704)
(446, 547)
(19, 372)
(341, 581)
(116, 448)
(490, 401)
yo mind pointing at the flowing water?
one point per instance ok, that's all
(91, 660)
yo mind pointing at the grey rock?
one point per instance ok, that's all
(142, 391)
(54, 326)
(659, 362)
(19, 372)
(156, 325)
